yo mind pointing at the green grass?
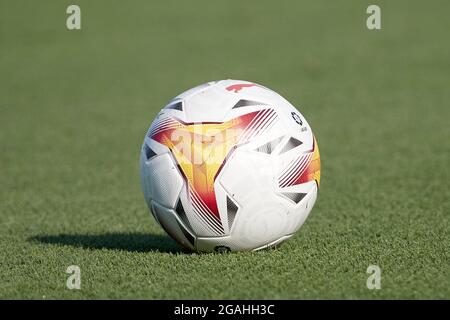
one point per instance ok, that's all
(75, 105)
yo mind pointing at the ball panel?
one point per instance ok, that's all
(199, 106)
(274, 243)
(163, 179)
(230, 243)
(198, 224)
(168, 219)
(301, 211)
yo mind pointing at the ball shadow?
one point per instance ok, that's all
(132, 242)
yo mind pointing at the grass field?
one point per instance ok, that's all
(75, 105)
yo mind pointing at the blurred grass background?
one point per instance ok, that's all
(75, 105)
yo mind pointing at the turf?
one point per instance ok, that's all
(75, 105)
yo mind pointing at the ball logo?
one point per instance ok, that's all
(297, 118)
(238, 87)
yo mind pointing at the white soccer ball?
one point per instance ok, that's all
(230, 165)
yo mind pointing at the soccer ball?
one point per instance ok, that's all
(230, 166)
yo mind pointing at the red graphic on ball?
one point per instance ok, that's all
(237, 87)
